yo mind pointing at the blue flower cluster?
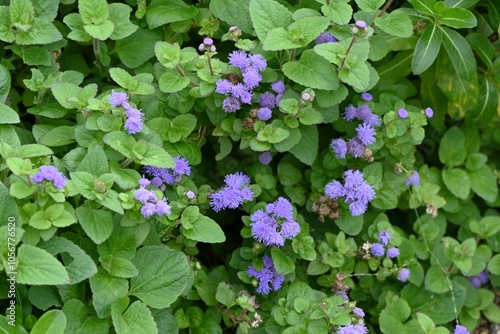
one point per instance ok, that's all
(150, 203)
(134, 121)
(459, 329)
(170, 176)
(52, 174)
(274, 224)
(269, 100)
(355, 191)
(268, 278)
(378, 249)
(479, 280)
(241, 90)
(413, 179)
(325, 37)
(353, 329)
(235, 192)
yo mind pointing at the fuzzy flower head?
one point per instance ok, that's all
(339, 146)
(384, 237)
(264, 114)
(325, 37)
(265, 157)
(429, 112)
(377, 249)
(402, 113)
(366, 96)
(403, 274)
(239, 59)
(413, 179)
(392, 252)
(459, 329)
(275, 224)
(235, 193)
(267, 100)
(278, 87)
(116, 99)
(269, 280)
(359, 312)
(51, 174)
(353, 329)
(366, 134)
(169, 175)
(133, 125)
(150, 203)
(355, 192)
(231, 104)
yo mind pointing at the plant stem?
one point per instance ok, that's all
(342, 63)
(181, 72)
(328, 2)
(210, 64)
(97, 53)
(126, 162)
(384, 9)
(292, 54)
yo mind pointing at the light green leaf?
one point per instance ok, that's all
(41, 32)
(4, 81)
(138, 48)
(306, 149)
(451, 150)
(205, 229)
(120, 76)
(312, 71)
(457, 181)
(46, 10)
(161, 12)
(494, 265)
(163, 275)
(51, 322)
(100, 31)
(487, 102)
(79, 321)
(396, 23)
(93, 11)
(484, 183)
(98, 224)
(95, 162)
(37, 267)
(169, 55)
(233, 12)
(458, 18)
(106, 289)
(8, 115)
(393, 316)
(74, 21)
(338, 12)
(119, 14)
(279, 39)
(63, 91)
(427, 49)
(356, 76)
(307, 29)
(136, 319)
(436, 280)
(121, 142)
(283, 264)
(424, 6)
(369, 5)
(21, 14)
(267, 15)
(171, 81)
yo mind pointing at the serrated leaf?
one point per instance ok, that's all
(160, 12)
(37, 267)
(100, 31)
(136, 319)
(457, 181)
(312, 71)
(119, 14)
(205, 229)
(41, 32)
(233, 12)
(267, 15)
(396, 23)
(171, 81)
(98, 224)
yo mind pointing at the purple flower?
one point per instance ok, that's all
(366, 134)
(208, 41)
(429, 112)
(325, 37)
(117, 98)
(251, 78)
(231, 104)
(483, 276)
(478, 280)
(342, 294)
(402, 113)
(373, 120)
(143, 182)
(272, 226)
(52, 174)
(366, 96)
(239, 59)
(223, 86)
(268, 278)
(359, 312)
(265, 157)
(413, 179)
(162, 208)
(233, 194)
(384, 237)
(133, 112)
(334, 189)
(264, 114)
(361, 24)
(267, 100)
(258, 62)
(377, 249)
(355, 191)
(148, 209)
(278, 87)
(133, 125)
(169, 175)
(339, 146)
(353, 329)
(239, 90)
(392, 252)
(403, 274)
(350, 112)
(143, 195)
(459, 329)
(246, 97)
(363, 112)
(182, 167)
(355, 147)
(190, 194)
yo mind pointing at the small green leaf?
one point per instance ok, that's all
(457, 181)
(106, 289)
(369, 5)
(138, 48)
(424, 6)
(8, 115)
(41, 32)
(100, 31)
(458, 18)
(396, 23)
(338, 12)
(98, 224)
(93, 11)
(171, 81)
(282, 263)
(161, 12)
(451, 150)
(51, 322)
(119, 15)
(436, 280)
(233, 12)
(136, 319)
(205, 229)
(484, 183)
(169, 55)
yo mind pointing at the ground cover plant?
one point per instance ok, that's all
(249, 166)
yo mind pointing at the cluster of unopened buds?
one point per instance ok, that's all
(358, 26)
(207, 45)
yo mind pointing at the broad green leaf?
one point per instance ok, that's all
(427, 49)
(106, 289)
(183, 125)
(8, 115)
(424, 6)
(171, 81)
(6, 31)
(157, 156)
(393, 316)
(100, 31)
(127, 178)
(279, 39)
(483, 47)
(120, 76)
(136, 319)
(233, 12)
(460, 3)
(79, 321)
(84, 182)
(161, 12)
(8, 204)
(306, 149)
(98, 224)
(288, 174)
(169, 55)
(451, 150)
(335, 52)
(137, 48)
(95, 162)
(33, 55)
(93, 11)
(118, 266)
(205, 229)
(74, 21)
(436, 280)
(51, 322)
(484, 183)
(225, 294)
(396, 23)
(41, 32)
(487, 102)
(56, 136)
(312, 71)
(356, 76)
(63, 91)
(307, 29)
(46, 10)
(338, 12)
(120, 141)
(283, 264)
(267, 15)
(163, 275)
(494, 265)
(21, 14)
(457, 181)
(350, 224)
(4, 83)
(119, 14)
(37, 267)
(459, 51)
(369, 5)
(458, 18)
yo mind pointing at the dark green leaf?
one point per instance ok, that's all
(427, 49)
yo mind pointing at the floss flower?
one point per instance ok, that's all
(150, 203)
(52, 174)
(169, 175)
(268, 278)
(355, 192)
(275, 224)
(235, 192)
(353, 329)
(413, 179)
(403, 274)
(459, 329)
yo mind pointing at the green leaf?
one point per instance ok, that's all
(41, 32)
(119, 15)
(161, 12)
(156, 156)
(486, 227)
(436, 280)
(486, 108)
(396, 23)
(304, 246)
(306, 149)
(233, 12)
(483, 47)
(225, 294)
(4, 82)
(21, 190)
(6, 31)
(484, 183)
(8, 115)
(427, 49)
(121, 142)
(458, 18)
(279, 39)
(312, 71)
(351, 225)
(205, 229)
(37, 267)
(460, 3)
(171, 81)
(451, 150)
(393, 316)
(338, 12)
(169, 55)
(369, 5)
(494, 265)
(106, 289)
(63, 91)
(356, 76)
(288, 174)
(120, 76)
(75, 23)
(127, 178)
(307, 29)
(283, 264)
(98, 224)
(33, 55)
(118, 266)
(100, 31)
(424, 6)
(136, 319)
(80, 267)
(457, 181)
(267, 15)
(95, 162)
(138, 48)
(46, 10)
(93, 11)
(163, 275)
(79, 320)
(21, 13)
(182, 125)
(84, 182)
(51, 322)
